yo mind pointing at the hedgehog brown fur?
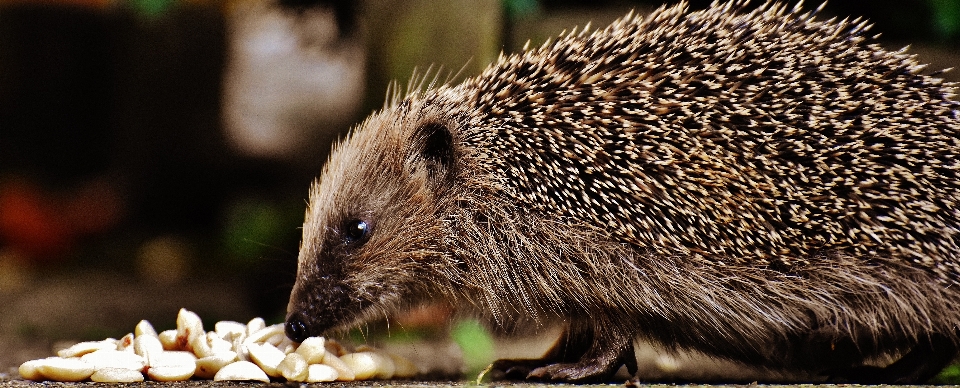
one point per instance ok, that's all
(762, 187)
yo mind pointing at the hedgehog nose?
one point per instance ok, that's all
(295, 328)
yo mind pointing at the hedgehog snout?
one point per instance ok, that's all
(317, 306)
(301, 325)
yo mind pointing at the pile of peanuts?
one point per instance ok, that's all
(233, 351)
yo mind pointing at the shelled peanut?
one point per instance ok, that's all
(233, 351)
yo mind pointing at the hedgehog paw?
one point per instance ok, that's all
(599, 364)
(581, 354)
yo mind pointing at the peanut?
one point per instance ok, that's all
(242, 371)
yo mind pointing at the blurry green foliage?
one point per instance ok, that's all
(252, 228)
(152, 8)
(946, 17)
(476, 343)
(949, 375)
(519, 8)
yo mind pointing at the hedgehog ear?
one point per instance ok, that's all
(435, 147)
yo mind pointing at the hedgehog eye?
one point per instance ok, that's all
(355, 230)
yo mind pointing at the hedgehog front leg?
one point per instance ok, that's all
(584, 352)
(573, 343)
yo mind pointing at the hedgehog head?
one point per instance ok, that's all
(373, 225)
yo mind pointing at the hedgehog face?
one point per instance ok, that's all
(374, 223)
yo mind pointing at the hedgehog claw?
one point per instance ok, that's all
(514, 369)
(571, 372)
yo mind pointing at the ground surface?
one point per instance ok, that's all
(8, 383)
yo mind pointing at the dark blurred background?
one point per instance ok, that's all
(156, 154)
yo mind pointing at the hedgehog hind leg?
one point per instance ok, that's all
(579, 355)
(920, 364)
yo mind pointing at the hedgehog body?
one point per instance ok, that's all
(761, 187)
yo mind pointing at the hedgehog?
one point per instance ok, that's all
(754, 185)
